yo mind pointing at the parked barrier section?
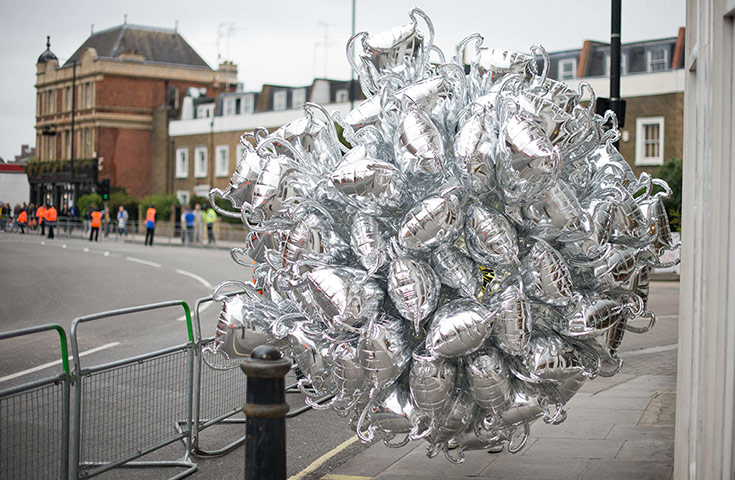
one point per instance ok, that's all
(129, 408)
(34, 420)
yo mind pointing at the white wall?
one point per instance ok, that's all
(14, 188)
(705, 409)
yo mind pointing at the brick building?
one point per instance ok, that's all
(652, 83)
(206, 140)
(98, 114)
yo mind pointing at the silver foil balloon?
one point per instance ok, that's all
(366, 240)
(419, 148)
(401, 51)
(458, 328)
(311, 354)
(513, 319)
(456, 270)
(343, 296)
(593, 315)
(546, 275)
(475, 148)
(431, 381)
(239, 192)
(489, 380)
(373, 186)
(452, 423)
(383, 352)
(490, 238)
(414, 288)
(434, 221)
(391, 415)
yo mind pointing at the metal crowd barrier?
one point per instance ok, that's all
(34, 420)
(219, 394)
(129, 408)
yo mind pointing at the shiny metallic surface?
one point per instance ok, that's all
(373, 186)
(457, 270)
(489, 380)
(366, 240)
(491, 239)
(419, 148)
(431, 381)
(434, 221)
(546, 275)
(513, 319)
(458, 328)
(414, 289)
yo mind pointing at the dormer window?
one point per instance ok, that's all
(568, 69)
(279, 100)
(658, 59)
(298, 98)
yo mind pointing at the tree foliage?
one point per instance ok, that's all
(671, 172)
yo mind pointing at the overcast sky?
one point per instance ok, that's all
(283, 42)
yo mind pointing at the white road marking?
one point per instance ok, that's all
(56, 362)
(63, 246)
(646, 351)
(86, 249)
(204, 307)
(195, 277)
(43, 243)
(144, 262)
(106, 254)
(323, 459)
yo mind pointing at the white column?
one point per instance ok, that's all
(706, 376)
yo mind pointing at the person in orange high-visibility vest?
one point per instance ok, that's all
(150, 225)
(41, 215)
(22, 220)
(51, 220)
(95, 224)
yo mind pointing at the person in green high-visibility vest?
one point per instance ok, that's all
(209, 217)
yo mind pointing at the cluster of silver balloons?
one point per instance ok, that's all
(453, 258)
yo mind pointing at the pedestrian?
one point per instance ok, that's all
(150, 225)
(210, 216)
(107, 221)
(41, 215)
(122, 222)
(189, 222)
(3, 216)
(95, 223)
(198, 224)
(74, 213)
(21, 220)
(51, 215)
(87, 218)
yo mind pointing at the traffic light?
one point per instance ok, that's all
(104, 188)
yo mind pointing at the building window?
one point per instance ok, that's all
(247, 105)
(279, 100)
(88, 95)
(342, 96)
(229, 107)
(182, 162)
(649, 141)
(222, 165)
(568, 69)
(52, 101)
(205, 111)
(658, 59)
(200, 162)
(298, 98)
(183, 196)
(67, 104)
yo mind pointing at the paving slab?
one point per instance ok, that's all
(546, 468)
(628, 470)
(416, 462)
(652, 450)
(574, 448)
(377, 459)
(640, 432)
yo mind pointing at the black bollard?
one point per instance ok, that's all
(265, 408)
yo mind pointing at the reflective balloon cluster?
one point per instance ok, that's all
(458, 260)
